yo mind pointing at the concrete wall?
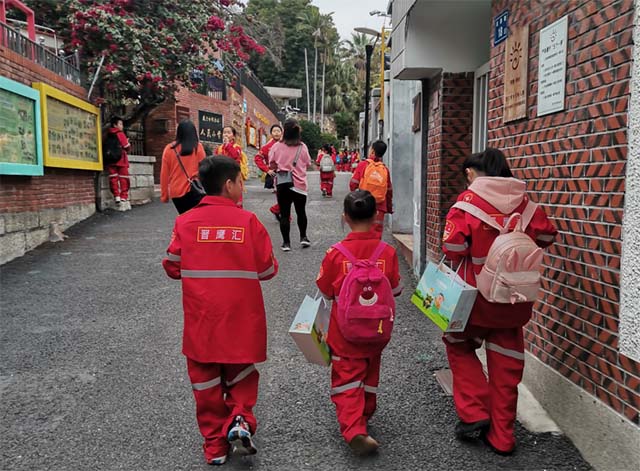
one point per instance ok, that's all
(141, 181)
(630, 279)
(402, 152)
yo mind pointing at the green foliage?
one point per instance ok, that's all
(346, 125)
(150, 48)
(330, 139)
(311, 136)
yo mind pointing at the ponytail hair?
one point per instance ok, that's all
(360, 205)
(491, 162)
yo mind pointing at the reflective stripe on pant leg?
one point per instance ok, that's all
(241, 383)
(211, 409)
(124, 182)
(371, 382)
(505, 364)
(347, 393)
(470, 387)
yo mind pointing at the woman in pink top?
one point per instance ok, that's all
(291, 155)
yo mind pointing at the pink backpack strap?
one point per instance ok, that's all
(480, 214)
(528, 213)
(344, 251)
(377, 252)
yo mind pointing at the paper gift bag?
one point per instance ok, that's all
(309, 330)
(444, 297)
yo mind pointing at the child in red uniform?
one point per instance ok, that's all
(221, 253)
(230, 148)
(355, 368)
(327, 171)
(488, 407)
(358, 180)
(119, 171)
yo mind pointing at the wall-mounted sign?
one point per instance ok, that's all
(20, 129)
(70, 130)
(210, 126)
(262, 118)
(552, 67)
(516, 65)
(500, 27)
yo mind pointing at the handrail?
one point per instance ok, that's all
(16, 42)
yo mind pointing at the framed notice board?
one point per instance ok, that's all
(70, 130)
(20, 129)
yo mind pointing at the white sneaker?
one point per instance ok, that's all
(128, 203)
(118, 200)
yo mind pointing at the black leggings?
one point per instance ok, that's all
(286, 197)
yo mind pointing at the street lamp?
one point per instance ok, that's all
(367, 83)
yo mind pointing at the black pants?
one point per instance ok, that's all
(287, 197)
(186, 202)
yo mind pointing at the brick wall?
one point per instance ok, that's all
(449, 143)
(231, 110)
(574, 165)
(29, 205)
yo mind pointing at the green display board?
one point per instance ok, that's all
(20, 129)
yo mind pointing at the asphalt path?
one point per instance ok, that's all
(91, 374)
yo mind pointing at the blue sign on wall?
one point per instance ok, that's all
(501, 30)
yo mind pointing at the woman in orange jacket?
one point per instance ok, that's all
(175, 178)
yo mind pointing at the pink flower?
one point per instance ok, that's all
(215, 23)
(113, 47)
(129, 22)
(225, 3)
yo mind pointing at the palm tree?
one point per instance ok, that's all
(355, 50)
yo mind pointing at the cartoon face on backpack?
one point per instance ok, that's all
(368, 297)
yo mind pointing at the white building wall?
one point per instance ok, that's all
(630, 277)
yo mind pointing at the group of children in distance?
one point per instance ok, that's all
(222, 252)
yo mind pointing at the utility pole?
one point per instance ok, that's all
(306, 69)
(324, 63)
(315, 83)
(367, 99)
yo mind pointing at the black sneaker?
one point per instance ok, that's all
(466, 430)
(286, 247)
(239, 437)
(485, 440)
(304, 242)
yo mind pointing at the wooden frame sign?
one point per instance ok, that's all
(20, 129)
(516, 66)
(70, 130)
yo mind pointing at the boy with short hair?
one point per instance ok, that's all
(221, 253)
(373, 175)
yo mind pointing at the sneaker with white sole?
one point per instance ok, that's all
(286, 247)
(305, 243)
(117, 198)
(239, 438)
(214, 460)
(363, 445)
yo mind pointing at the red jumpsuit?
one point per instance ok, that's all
(221, 253)
(385, 207)
(498, 325)
(235, 151)
(355, 369)
(119, 172)
(262, 162)
(326, 178)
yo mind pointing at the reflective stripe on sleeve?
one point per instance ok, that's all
(242, 375)
(206, 385)
(545, 237)
(478, 260)
(173, 257)
(504, 351)
(452, 339)
(353, 180)
(335, 358)
(268, 272)
(371, 389)
(346, 387)
(456, 247)
(246, 275)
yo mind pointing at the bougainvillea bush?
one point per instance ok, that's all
(150, 47)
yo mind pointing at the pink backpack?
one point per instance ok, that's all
(511, 273)
(365, 304)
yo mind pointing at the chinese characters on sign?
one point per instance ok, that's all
(501, 30)
(552, 67)
(71, 132)
(210, 126)
(17, 129)
(516, 64)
